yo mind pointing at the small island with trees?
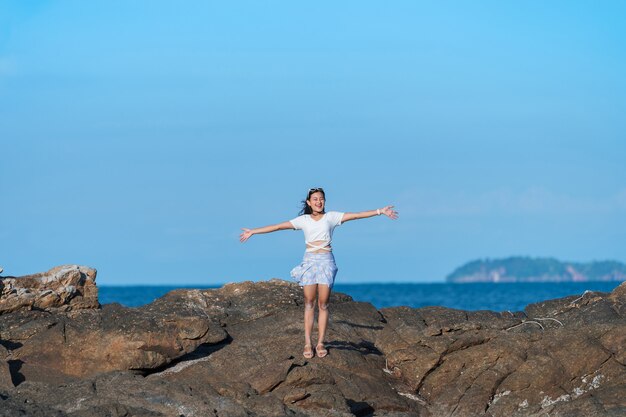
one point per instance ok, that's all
(527, 269)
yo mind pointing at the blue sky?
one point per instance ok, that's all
(140, 137)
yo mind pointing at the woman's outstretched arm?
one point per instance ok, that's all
(245, 235)
(387, 211)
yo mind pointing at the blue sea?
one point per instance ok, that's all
(483, 296)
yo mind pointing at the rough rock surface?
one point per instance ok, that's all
(237, 351)
(66, 287)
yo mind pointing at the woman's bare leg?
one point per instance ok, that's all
(309, 311)
(322, 320)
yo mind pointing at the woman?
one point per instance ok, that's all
(316, 273)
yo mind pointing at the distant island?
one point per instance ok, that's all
(526, 269)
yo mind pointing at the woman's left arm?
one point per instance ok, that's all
(387, 211)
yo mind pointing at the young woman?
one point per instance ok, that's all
(316, 273)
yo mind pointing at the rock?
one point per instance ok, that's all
(561, 355)
(242, 302)
(70, 338)
(264, 358)
(66, 287)
(5, 375)
(79, 344)
(237, 351)
(12, 405)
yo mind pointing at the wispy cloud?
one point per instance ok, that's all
(532, 200)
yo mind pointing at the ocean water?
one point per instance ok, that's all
(483, 296)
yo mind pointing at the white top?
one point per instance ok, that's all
(321, 229)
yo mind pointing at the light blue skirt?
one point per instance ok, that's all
(316, 268)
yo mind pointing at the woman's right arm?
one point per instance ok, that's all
(245, 235)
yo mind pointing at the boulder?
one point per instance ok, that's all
(57, 333)
(61, 346)
(66, 287)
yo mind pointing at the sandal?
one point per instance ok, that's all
(321, 352)
(308, 351)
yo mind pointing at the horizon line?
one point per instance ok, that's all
(191, 286)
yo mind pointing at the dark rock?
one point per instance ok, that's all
(14, 405)
(264, 358)
(237, 351)
(562, 355)
(241, 302)
(5, 376)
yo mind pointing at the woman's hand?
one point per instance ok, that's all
(245, 235)
(389, 212)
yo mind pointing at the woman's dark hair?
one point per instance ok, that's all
(306, 209)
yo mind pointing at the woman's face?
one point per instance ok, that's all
(316, 201)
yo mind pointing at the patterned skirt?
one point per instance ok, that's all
(316, 268)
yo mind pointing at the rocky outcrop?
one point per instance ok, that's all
(66, 287)
(54, 342)
(56, 347)
(556, 359)
(237, 351)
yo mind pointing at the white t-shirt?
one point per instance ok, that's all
(321, 229)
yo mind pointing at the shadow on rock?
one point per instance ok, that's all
(237, 351)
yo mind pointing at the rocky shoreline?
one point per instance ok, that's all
(237, 351)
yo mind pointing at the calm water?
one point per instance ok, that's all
(497, 297)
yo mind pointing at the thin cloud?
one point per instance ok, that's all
(533, 200)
